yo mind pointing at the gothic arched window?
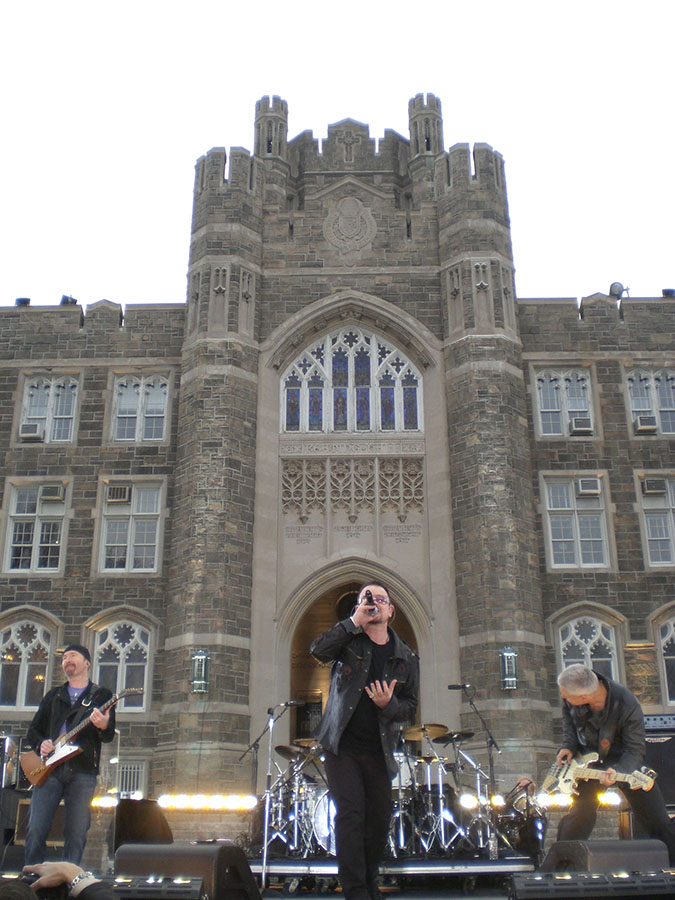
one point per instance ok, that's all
(351, 381)
(121, 660)
(667, 640)
(25, 646)
(591, 642)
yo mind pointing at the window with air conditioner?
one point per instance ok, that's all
(652, 400)
(131, 527)
(35, 533)
(564, 405)
(576, 525)
(48, 409)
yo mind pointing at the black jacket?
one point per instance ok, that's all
(55, 709)
(349, 648)
(617, 733)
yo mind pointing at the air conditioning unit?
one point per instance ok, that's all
(581, 425)
(54, 493)
(653, 485)
(588, 487)
(31, 431)
(645, 425)
(118, 493)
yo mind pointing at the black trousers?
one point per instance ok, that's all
(361, 790)
(648, 807)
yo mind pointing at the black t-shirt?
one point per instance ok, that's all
(362, 734)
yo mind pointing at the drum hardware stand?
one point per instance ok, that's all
(438, 819)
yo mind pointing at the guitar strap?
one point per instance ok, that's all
(82, 708)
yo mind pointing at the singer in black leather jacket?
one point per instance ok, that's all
(373, 690)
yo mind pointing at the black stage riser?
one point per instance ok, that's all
(606, 856)
(221, 864)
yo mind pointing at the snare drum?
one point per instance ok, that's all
(324, 823)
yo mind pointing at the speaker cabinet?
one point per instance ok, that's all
(221, 865)
(55, 836)
(606, 856)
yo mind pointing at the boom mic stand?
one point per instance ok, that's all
(272, 718)
(492, 745)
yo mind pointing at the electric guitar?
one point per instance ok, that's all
(36, 769)
(564, 779)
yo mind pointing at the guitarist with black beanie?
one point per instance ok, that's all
(73, 780)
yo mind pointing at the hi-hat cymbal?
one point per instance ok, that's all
(432, 759)
(290, 752)
(452, 736)
(419, 732)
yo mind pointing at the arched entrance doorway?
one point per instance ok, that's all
(309, 678)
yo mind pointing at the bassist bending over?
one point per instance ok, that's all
(602, 716)
(74, 780)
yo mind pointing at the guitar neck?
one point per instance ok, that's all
(67, 738)
(596, 775)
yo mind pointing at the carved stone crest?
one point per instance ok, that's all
(349, 227)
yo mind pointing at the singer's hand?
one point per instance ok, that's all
(382, 693)
(364, 613)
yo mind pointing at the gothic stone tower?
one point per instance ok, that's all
(352, 406)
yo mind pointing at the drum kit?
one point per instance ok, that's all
(427, 820)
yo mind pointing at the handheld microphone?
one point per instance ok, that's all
(458, 687)
(369, 597)
(293, 703)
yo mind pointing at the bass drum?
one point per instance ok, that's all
(324, 823)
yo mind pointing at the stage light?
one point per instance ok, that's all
(241, 802)
(497, 800)
(554, 801)
(468, 801)
(106, 801)
(609, 798)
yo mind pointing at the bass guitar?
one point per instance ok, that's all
(37, 769)
(563, 779)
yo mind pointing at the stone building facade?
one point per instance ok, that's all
(352, 391)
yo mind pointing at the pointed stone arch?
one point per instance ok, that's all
(366, 310)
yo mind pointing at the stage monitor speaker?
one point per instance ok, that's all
(606, 856)
(141, 822)
(221, 864)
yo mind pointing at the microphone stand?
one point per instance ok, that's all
(491, 746)
(268, 789)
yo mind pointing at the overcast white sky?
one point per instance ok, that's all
(106, 107)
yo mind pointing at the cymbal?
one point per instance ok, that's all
(304, 742)
(290, 752)
(419, 732)
(432, 759)
(452, 736)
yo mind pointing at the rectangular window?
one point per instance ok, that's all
(131, 529)
(652, 400)
(140, 408)
(564, 403)
(48, 412)
(658, 509)
(35, 530)
(577, 526)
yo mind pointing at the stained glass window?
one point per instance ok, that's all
(352, 381)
